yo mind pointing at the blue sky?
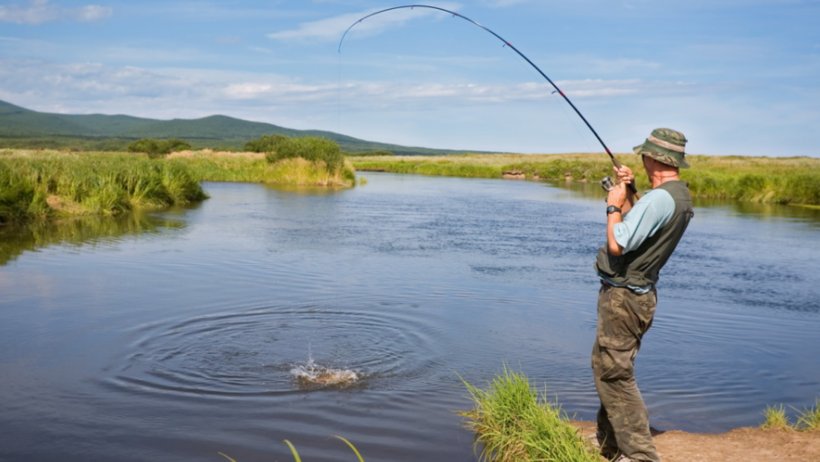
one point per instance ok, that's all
(736, 76)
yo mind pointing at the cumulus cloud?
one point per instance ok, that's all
(42, 11)
(332, 28)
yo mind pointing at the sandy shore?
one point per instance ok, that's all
(738, 445)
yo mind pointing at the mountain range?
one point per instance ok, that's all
(21, 127)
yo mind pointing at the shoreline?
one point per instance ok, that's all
(743, 444)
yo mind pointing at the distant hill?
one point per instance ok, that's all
(21, 127)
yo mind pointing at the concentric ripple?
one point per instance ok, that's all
(255, 352)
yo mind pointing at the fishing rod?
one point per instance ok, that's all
(512, 47)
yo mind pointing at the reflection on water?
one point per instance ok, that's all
(78, 231)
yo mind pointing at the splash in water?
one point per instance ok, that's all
(312, 376)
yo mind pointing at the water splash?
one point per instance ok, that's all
(312, 376)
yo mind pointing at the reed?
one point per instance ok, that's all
(298, 458)
(513, 423)
(44, 184)
(809, 419)
(254, 168)
(793, 180)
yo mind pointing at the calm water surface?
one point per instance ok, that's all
(172, 336)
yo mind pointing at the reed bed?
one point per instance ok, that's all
(36, 184)
(513, 423)
(793, 180)
(254, 168)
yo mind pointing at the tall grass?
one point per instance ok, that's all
(794, 180)
(513, 423)
(254, 168)
(34, 184)
(806, 420)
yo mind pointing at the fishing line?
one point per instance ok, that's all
(506, 44)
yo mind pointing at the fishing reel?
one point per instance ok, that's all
(607, 184)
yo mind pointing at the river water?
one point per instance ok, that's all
(174, 336)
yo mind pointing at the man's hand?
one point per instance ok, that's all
(617, 195)
(624, 174)
(620, 196)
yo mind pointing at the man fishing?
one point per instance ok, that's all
(640, 238)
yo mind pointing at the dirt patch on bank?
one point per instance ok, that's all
(739, 445)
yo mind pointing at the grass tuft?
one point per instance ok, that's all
(809, 419)
(775, 418)
(513, 423)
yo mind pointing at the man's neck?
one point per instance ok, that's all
(660, 178)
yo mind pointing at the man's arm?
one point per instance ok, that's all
(617, 197)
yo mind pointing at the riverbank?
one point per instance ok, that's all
(37, 184)
(738, 445)
(775, 180)
(514, 422)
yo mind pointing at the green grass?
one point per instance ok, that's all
(809, 419)
(45, 184)
(298, 458)
(775, 418)
(513, 423)
(806, 420)
(254, 168)
(794, 180)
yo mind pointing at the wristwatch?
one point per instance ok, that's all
(612, 209)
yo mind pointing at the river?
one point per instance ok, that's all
(173, 336)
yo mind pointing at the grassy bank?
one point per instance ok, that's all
(793, 181)
(254, 168)
(46, 184)
(513, 423)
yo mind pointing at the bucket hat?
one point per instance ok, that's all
(666, 146)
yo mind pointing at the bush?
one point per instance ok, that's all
(156, 148)
(267, 143)
(309, 148)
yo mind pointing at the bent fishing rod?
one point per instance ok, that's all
(512, 47)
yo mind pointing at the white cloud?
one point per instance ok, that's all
(41, 11)
(332, 28)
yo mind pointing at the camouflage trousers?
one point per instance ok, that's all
(623, 421)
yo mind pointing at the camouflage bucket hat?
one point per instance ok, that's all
(666, 146)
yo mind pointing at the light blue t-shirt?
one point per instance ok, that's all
(651, 213)
(646, 217)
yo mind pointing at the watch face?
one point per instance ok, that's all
(612, 209)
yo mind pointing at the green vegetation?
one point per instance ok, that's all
(295, 453)
(156, 148)
(807, 420)
(41, 185)
(794, 180)
(512, 423)
(309, 148)
(775, 418)
(267, 143)
(255, 168)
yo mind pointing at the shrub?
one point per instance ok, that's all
(309, 148)
(267, 143)
(155, 148)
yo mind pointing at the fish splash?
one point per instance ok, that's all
(312, 376)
